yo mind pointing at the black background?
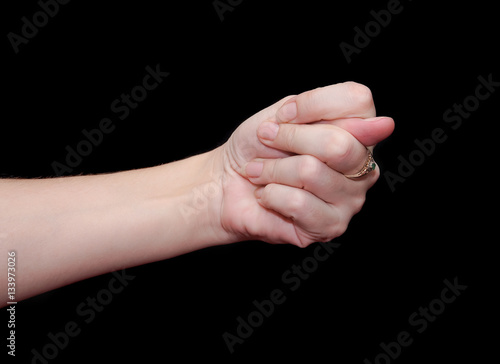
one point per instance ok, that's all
(398, 250)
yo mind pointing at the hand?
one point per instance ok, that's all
(283, 167)
(286, 188)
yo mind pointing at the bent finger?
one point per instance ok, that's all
(343, 100)
(329, 143)
(308, 173)
(315, 220)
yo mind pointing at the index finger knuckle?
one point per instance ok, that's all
(359, 94)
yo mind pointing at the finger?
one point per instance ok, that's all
(343, 100)
(329, 143)
(313, 218)
(368, 131)
(309, 173)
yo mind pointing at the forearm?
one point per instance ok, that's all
(68, 229)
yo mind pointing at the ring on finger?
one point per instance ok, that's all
(368, 167)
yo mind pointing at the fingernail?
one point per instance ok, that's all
(268, 130)
(258, 192)
(254, 169)
(288, 112)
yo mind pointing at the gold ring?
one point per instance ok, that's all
(369, 166)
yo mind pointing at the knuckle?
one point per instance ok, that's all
(297, 203)
(308, 169)
(357, 203)
(359, 94)
(342, 227)
(339, 147)
(338, 229)
(344, 148)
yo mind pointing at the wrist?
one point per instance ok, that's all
(188, 196)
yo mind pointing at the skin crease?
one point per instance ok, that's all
(287, 188)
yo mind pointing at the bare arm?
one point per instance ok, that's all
(279, 178)
(72, 228)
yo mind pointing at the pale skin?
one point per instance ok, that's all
(279, 178)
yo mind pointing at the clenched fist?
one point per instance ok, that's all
(284, 168)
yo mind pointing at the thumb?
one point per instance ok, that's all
(368, 131)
